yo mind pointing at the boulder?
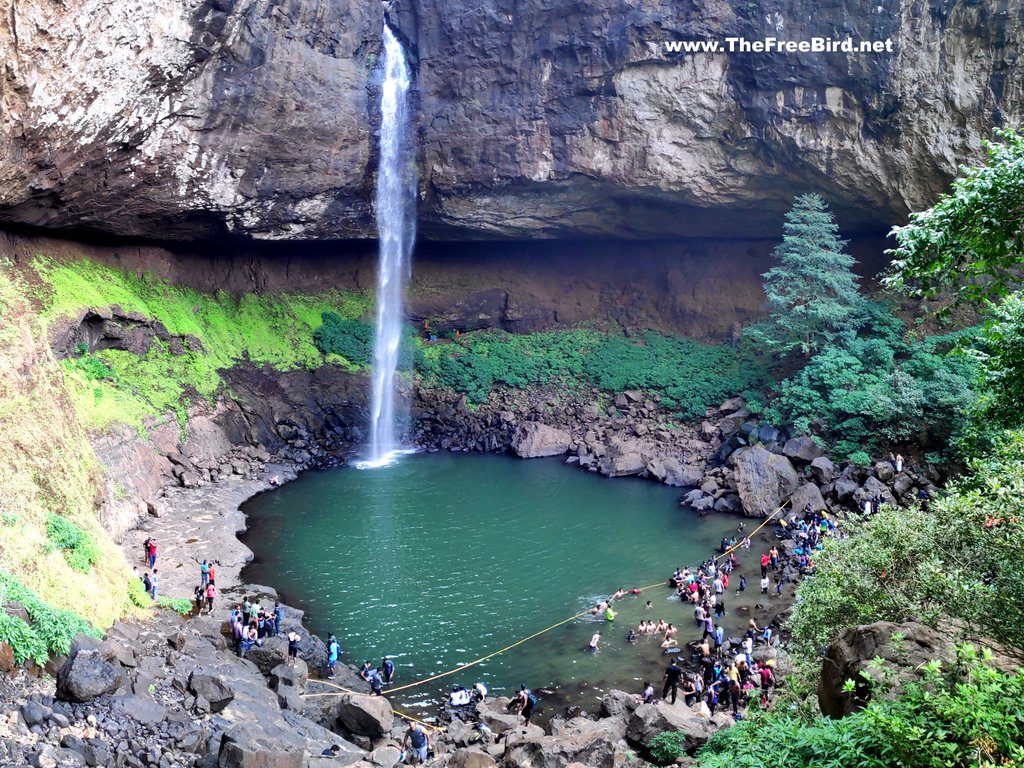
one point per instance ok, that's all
(362, 715)
(902, 484)
(845, 488)
(619, 704)
(873, 488)
(763, 479)
(471, 758)
(212, 688)
(730, 502)
(823, 470)
(680, 475)
(804, 449)
(560, 752)
(852, 653)
(247, 745)
(293, 676)
(768, 434)
(385, 757)
(622, 458)
(90, 671)
(273, 652)
(884, 471)
(805, 495)
(651, 719)
(534, 440)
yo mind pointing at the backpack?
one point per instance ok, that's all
(531, 698)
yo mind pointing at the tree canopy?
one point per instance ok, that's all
(972, 240)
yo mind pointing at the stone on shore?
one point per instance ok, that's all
(534, 440)
(764, 480)
(803, 449)
(363, 715)
(89, 672)
(648, 720)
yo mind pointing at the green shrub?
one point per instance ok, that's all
(52, 629)
(968, 715)
(352, 339)
(26, 643)
(182, 605)
(137, 594)
(667, 747)
(78, 546)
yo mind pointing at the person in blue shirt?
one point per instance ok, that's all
(278, 618)
(388, 670)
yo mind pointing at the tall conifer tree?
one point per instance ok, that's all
(812, 291)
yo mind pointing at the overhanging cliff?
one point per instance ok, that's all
(536, 119)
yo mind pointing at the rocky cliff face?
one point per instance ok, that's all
(190, 119)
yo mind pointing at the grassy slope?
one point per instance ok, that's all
(48, 466)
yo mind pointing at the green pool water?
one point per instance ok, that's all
(443, 558)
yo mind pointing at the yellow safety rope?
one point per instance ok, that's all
(438, 676)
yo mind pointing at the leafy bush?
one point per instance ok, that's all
(968, 715)
(52, 629)
(137, 594)
(1002, 363)
(26, 643)
(182, 605)
(78, 546)
(667, 747)
(352, 339)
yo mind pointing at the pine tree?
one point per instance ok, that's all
(812, 291)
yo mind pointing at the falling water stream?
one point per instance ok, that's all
(396, 230)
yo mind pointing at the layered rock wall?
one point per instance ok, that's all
(536, 119)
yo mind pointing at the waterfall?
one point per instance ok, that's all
(396, 231)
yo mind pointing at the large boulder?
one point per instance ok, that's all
(804, 449)
(764, 480)
(293, 676)
(212, 688)
(273, 652)
(853, 652)
(823, 470)
(247, 745)
(91, 670)
(619, 704)
(622, 458)
(471, 758)
(671, 472)
(807, 495)
(648, 720)
(533, 440)
(561, 751)
(873, 488)
(363, 715)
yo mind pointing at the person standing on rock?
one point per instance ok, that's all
(213, 574)
(765, 560)
(152, 583)
(293, 647)
(278, 618)
(333, 650)
(211, 594)
(417, 737)
(151, 552)
(673, 674)
(204, 574)
(200, 599)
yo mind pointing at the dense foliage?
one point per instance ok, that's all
(967, 715)
(876, 389)
(1001, 361)
(959, 559)
(349, 337)
(812, 291)
(667, 747)
(972, 241)
(688, 375)
(79, 549)
(51, 631)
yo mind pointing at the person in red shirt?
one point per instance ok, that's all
(765, 559)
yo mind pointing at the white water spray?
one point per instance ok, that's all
(396, 231)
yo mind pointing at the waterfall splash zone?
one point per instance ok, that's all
(396, 230)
